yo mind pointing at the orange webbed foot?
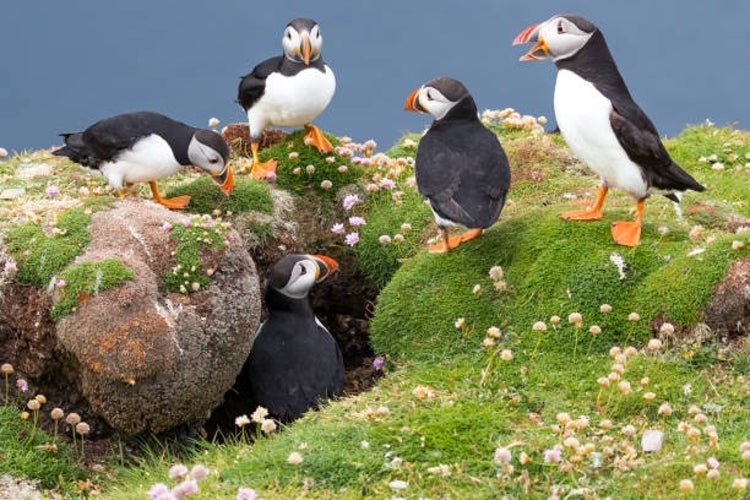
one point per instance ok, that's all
(626, 233)
(263, 170)
(176, 203)
(316, 138)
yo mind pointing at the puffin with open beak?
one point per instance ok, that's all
(146, 146)
(461, 168)
(294, 362)
(288, 91)
(601, 122)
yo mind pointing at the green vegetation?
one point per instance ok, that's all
(86, 280)
(188, 275)
(206, 197)
(40, 257)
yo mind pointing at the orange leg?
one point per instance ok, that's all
(261, 170)
(173, 203)
(451, 242)
(316, 138)
(593, 213)
(629, 233)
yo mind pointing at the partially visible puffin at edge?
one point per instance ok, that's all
(145, 146)
(288, 90)
(294, 362)
(601, 123)
(461, 168)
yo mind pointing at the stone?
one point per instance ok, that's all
(652, 440)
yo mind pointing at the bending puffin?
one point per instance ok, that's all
(294, 361)
(146, 146)
(601, 123)
(461, 168)
(288, 90)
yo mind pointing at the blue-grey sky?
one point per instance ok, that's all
(64, 65)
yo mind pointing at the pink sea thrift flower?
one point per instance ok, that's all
(378, 363)
(387, 183)
(350, 200)
(157, 490)
(177, 471)
(186, 223)
(22, 385)
(10, 267)
(52, 191)
(352, 239)
(166, 227)
(551, 456)
(357, 221)
(246, 494)
(61, 284)
(199, 472)
(185, 488)
(337, 228)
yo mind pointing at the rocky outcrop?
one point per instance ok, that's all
(150, 360)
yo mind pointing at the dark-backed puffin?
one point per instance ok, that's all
(601, 123)
(288, 90)
(146, 146)
(461, 167)
(294, 361)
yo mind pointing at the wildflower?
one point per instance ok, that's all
(186, 223)
(634, 316)
(539, 326)
(241, 421)
(56, 413)
(61, 284)
(246, 494)
(352, 239)
(500, 285)
(687, 389)
(666, 328)
(384, 239)
(551, 456)
(259, 414)
(177, 471)
(338, 228)
(326, 184)
(693, 410)
(351, 200)
(488, 342)
(654, 345)
(739, 484)
(10, 267)
(357, 221)
(737, 245)
(502, 456)
(460, 322)
(310, 169)
(506, 355)
(572, 443)
(52, 191)
(686, 486)
(712, 463)
(563, 418)
(342, 169)
(405, 227)
(199, 472)
(73, 419)
(625, 388)
(693, 433)
(745, 446)
(3, 152)
(378, 363)
(606, 424)
(268, 426)
(595, 330)
(603, 382)
(6, 369)
(630, 352)
(398, 238)
(493, 332)
(618, 368)
(649, 396)
(665, 410)
(605, 308)
(296, 170)
(575, 318)
(555, 320)
(628, 430)
(166, 227)
(387, 183)
(24, 415)
(213, 122)
(496, 273)
(524, 458)
(185, 488)
(713, 474)
(295, 458)
(158, 490)
(423, 392)
(476, 289)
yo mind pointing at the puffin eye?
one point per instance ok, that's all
(560, 29)
(429, 96)
(213, 160)
(302, 270)
(289, 35)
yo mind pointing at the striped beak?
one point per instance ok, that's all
(325, 267)
(539, 50)
(306, 48)
(225, 180)
(412, 102)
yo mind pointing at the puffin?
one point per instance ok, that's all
(294, 362)
(461, 167)
(145, 146)
(288, 90)
(601, 123)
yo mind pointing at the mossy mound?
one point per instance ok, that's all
(188, 274)
(40, 257)
(205, 196)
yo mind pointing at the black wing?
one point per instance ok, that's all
(462, 169)
(253, 84)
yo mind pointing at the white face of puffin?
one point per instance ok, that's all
(303, 45)
(558, 38)
(302, 278)
(305, 271)
(204, 156)
(433, 102)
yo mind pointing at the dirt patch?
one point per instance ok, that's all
(237, 136)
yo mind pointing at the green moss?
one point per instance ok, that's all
(188, 269)
(40, 257)
(88, 279)
(205, 196)
(263, 230)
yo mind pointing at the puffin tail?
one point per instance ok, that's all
(674, 178)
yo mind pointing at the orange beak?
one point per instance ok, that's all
(326, 266)
(531, 34)
(306, 48)
(412, 102)
(225, 180)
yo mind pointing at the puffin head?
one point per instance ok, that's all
(559, 37)
(294, 275)
(209, 151)
(436, 97)
(302, 41)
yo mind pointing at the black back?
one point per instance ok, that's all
(462, 169)
(106, 139)
(634, 130)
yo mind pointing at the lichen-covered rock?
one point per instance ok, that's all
(151, 360)
(729, 309)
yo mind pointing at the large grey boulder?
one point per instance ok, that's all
(149, 360)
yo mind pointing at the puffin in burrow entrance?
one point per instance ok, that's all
(145, 146)
(601, 123)
(288, 90)
(294, 362)
(461, 168)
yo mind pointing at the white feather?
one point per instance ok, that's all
(582, 114)
(149, 159)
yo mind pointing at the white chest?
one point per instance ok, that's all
(150, 158)
(582, 114)
(291, 101)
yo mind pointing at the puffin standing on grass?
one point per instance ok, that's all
(461, 168)
(294, 361)
(146, 146)
(601, 123)
(288, 90)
